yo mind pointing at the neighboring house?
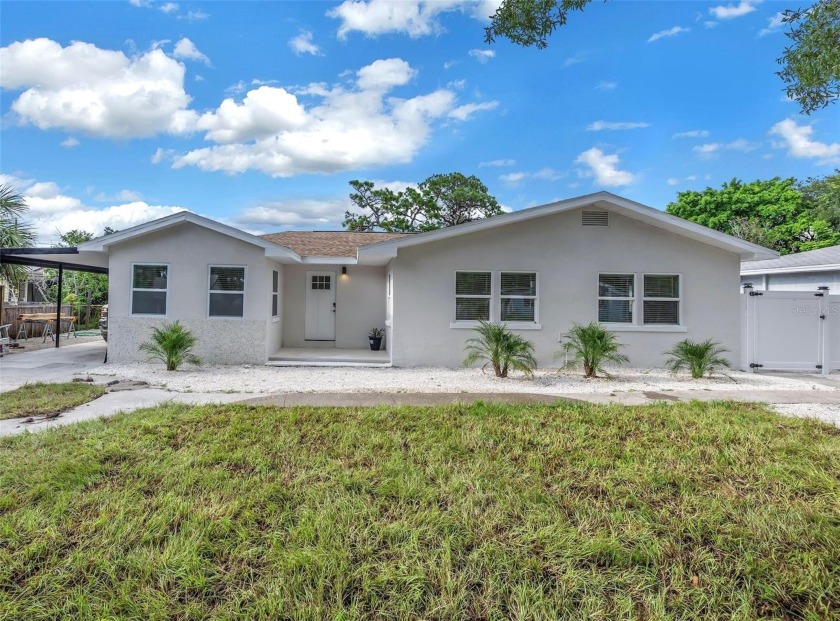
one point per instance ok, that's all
(30, 291)
(803, 271)
(653, 278)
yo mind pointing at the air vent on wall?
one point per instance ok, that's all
(595, 218)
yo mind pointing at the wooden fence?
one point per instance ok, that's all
(11, 314)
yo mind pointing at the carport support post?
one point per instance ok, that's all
(58, 309)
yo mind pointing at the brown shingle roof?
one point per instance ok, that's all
(328, 243)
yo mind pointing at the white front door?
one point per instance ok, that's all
(320, 306)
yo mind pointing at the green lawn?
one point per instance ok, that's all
(40, 398)
(685, 511)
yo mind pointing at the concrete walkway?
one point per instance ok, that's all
(50, 365)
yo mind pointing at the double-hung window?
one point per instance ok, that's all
(149, 288)
(275, 294)
(661, 302)
(616, 298)
(227, 291)
(472, 296)
(518, 295)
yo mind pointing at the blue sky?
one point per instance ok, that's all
(259, 113)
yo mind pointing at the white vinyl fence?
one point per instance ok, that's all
(790, 330)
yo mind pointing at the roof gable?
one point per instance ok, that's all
(102, 244)
(343, 244)
(601, 200)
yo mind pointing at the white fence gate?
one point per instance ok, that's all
(790, 330)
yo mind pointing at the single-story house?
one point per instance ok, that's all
(803, 271)
(652, 277)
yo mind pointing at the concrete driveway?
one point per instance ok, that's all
(50, 365)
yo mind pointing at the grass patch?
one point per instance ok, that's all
(41, 399)
(670, 511)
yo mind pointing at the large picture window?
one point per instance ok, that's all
(661, 302)
(149, 289)
(227, 291)
(518, 296)
(472, 296)
(616, 295)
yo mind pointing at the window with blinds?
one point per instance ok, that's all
(518, 296)
(472, 296)
(616, 296)
(661, 302)
(227, 291)
(149, 289)
(275, 293)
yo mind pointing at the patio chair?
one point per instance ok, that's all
(4, 338)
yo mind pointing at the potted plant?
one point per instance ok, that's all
(375, 338)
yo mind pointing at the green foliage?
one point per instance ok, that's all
(82, 290)
(172, 344)
(593, 346)
(699, 358)
(437, 202)
(771, 213)
(530, 22)
(13, 232)
(376, 333)
(822, 197)
(573, 511)
(45, 399)
(811, 66)
(502, 349)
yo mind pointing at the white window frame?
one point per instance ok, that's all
(242, 293)
(495, 298)
(489, 297)
(536, 298)
(677, 299)
(275, 298)
(133, 289)
(634, 301)
(637, 309)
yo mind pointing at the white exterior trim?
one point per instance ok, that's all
(792, 270)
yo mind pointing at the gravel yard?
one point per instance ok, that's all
(254, 379)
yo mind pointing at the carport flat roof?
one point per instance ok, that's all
(67, 258)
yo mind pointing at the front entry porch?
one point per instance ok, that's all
(328, 357)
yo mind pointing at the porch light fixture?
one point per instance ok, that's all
(344, 270)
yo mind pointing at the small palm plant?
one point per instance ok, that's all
(172, 344)
(593, 345)
(698, 357)
(502, 349)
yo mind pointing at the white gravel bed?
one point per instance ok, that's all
(259, 379)
(827, 412)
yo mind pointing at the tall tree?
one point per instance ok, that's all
(14, 233)
(771, 213)
(810, 67)
(82, 290)
(439, 201)
(822, 195)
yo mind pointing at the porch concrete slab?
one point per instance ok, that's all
(51, 364)
(328, 356)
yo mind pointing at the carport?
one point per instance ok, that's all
(60, 259)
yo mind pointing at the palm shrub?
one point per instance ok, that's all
(502, 349)
(172, 344)
(698, 357)
(593, 345)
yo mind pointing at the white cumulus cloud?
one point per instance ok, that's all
(70, 142)
(482, 56)
(187, 50)
(100, 92)
(773, 25)
(604, 168)
(731, 11)
(799, 142)
(692, 133)
(598, 126)
(340, 127)
(415, 18)
(670, 32)
(498, 163)
(303, 44)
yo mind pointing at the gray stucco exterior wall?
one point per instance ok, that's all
(190, 250)
(568, 258)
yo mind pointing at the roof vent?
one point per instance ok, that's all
(595, 218)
